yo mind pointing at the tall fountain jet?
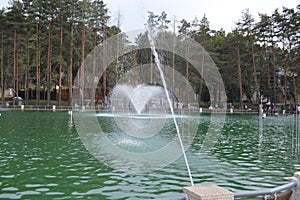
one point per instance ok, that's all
(151, 33)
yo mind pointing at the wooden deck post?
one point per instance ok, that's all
(208, 192)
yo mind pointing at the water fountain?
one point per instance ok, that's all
(143, 132)
(139, 98)
(140, 111)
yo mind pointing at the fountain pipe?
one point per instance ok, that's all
(154, 52)
(294, 183)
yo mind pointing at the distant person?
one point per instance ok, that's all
(283, 109)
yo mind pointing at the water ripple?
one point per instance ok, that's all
(48, 160)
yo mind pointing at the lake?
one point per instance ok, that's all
(43, 157)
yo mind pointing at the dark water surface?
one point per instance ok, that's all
(42, 157)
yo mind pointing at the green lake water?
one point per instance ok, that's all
(42, 157)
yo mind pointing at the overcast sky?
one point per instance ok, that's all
(220, 13)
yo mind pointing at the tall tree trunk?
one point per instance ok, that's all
(104, 62)
(173, 57)
(2, 69)
(274, 73)
(187, 71)
(295, 89)
(202, 81)
(187, 75)
(151, 66)
(240, 76)
(38, 65)
(122, 62)
(16, 80)
(254, 74)
(284, 86)
(118, 48)
(94, 86)
(117, 59)
(268, 71)
(27, 72)
(49, 74)
(60, 62)
(82, 66)
(71, 66)
(285, 81)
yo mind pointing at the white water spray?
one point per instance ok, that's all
(157, 61)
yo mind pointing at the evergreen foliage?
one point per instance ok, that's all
(43, 44)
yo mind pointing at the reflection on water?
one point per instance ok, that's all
(42, 157)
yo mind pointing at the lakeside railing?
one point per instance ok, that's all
(288, 191)
(35, 107)
(270, 191)
(101, 108)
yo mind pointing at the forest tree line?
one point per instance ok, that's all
(44, 43)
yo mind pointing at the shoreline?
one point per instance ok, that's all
(194, 111)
